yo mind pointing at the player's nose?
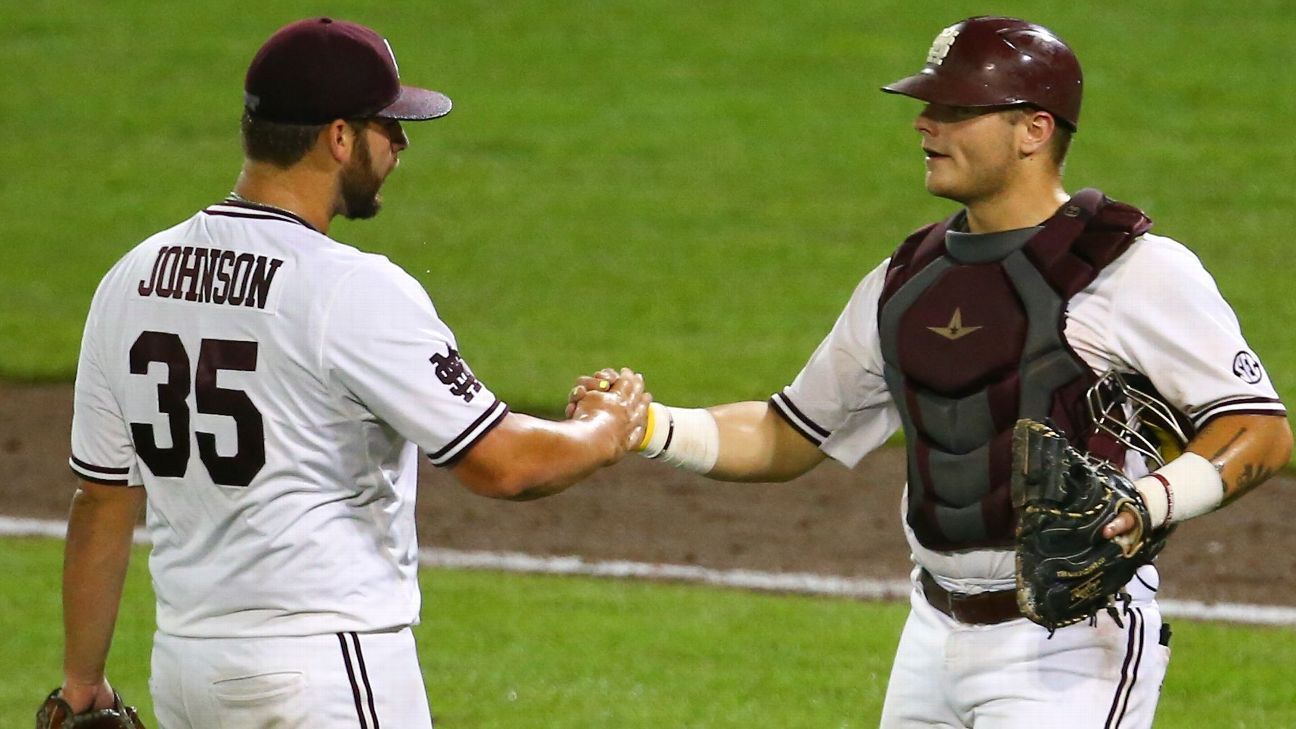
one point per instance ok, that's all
(398, 139)
(923, 123)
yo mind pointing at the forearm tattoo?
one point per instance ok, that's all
(1253, 474)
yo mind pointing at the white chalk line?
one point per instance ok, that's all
(803, 583)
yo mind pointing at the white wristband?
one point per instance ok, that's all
(683, 437)
(1186, 487)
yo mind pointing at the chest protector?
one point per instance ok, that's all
(970, 346)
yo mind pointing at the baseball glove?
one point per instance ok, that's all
(56, 714)
(1066, 570)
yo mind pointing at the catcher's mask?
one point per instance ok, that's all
(1130, 410)
(996, 61)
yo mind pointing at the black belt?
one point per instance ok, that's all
(984, 608)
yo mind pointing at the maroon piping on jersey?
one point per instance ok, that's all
(101, 469)
(82, 467)
(492, 411)
(102, 481)
(274, 213)
(1224, 407)
(789, 412)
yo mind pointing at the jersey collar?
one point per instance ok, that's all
(264, 211)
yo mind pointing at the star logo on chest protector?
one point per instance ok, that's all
(955, 329)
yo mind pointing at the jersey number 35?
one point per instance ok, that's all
(213, 356)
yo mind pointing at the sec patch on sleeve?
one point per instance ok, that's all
(1247, 367)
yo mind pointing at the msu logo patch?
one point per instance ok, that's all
(453, 373)
(941, 46)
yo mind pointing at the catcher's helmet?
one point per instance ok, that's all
(1130, 410)
(993, 61)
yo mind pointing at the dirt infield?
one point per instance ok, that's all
(833, 521)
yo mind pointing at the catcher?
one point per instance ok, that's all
(1024, 303)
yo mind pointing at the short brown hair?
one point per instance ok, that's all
(1060, 144)
(282, 145)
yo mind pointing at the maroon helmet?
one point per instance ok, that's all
(992, 61)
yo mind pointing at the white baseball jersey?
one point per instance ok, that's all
(1155, 310)
(270, 389)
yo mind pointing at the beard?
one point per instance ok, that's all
(359, 185)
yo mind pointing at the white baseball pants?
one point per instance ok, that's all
(1013, 676)
(334, 681)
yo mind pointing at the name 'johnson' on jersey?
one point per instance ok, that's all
(271, 388)
(211, 275)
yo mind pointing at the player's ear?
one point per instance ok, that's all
(339, 137)
(1034, 130)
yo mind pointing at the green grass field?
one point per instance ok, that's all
(689, 188)
(692, 189)
(502, 651)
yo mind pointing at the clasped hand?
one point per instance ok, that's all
(620, 394)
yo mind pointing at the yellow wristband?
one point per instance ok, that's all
(648, 431)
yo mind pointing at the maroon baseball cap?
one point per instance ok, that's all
(320, 69)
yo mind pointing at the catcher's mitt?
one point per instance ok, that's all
(56, 714)
(1066, 570)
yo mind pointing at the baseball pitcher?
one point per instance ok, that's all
(266, 391)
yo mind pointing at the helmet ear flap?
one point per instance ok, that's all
(1130, 410)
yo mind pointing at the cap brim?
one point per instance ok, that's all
(927, 86)
(415, 104)
(924, 86)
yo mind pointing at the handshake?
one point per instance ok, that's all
(617, 401)
(687, 438)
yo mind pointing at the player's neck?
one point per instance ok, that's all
(293, 190)
(1014, 209)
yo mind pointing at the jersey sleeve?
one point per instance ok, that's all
(1172, 324)
(102, 449)
(385, 344)
(840, 401)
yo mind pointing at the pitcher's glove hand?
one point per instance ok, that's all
(1066, 570)
(56, 714)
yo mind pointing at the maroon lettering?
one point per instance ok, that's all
(177, 261)
(454, 373)
(209, 273)
(222, 275)
(146, 287)
(259, 289)
(161, 287)
(240, 277)
(189, 272)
